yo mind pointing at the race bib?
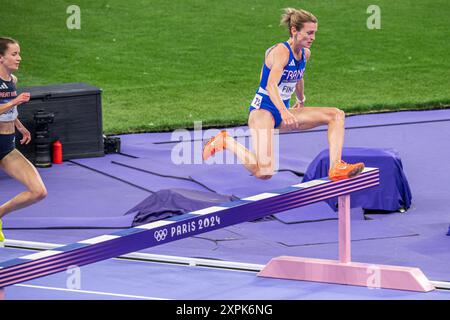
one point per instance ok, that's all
(256, 103)
(286, 90)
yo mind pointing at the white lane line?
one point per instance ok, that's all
(441, 284)
(90, 292)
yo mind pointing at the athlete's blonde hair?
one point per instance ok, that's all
(296, 18)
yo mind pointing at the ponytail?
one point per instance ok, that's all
(296, 18)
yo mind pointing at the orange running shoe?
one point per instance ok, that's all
(343, 170)
(216, 144)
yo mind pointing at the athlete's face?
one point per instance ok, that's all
(11, 59)
(306, 36)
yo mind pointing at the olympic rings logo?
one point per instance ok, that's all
(160, 235)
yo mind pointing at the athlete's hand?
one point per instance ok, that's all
(26, 136)
(289, 120)
(21, 98)
(298, 105)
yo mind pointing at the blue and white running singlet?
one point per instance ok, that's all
(7, 93)
(292, 73)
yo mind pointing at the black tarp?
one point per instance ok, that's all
(169, 202)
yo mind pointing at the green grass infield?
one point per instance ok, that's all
(165, 64)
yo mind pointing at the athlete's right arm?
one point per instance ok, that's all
(277, 60)
(21, 98)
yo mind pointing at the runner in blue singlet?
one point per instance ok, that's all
(292, 73)
(282, 76)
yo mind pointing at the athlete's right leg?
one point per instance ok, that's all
(260, 162)
(19, 168)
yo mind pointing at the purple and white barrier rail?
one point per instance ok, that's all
(197, 222)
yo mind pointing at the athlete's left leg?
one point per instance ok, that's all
(311, 117)
(19, 168)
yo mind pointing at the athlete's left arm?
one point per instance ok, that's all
(300, 86)
(26, 135)
(17, 122)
